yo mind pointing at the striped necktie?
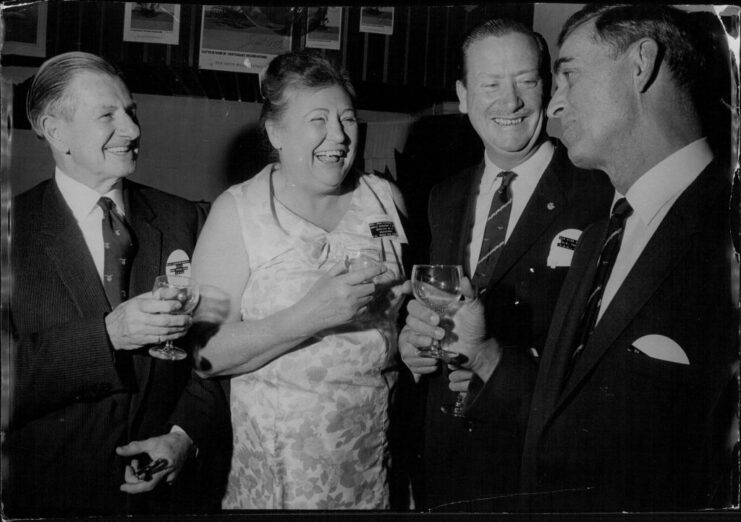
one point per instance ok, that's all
(119, 250)
(495, 231)
(620, 213)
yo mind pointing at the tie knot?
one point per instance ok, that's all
(622, 209)
(504, 189)
(106, 204)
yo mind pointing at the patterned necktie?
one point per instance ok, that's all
(495, 231)
(119, 250)
(615, 228)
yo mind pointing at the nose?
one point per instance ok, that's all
(511, 99)
(335, 131)
(556, 105)
(128, 126)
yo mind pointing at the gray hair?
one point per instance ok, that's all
(48, 93)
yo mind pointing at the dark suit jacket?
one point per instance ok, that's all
(73, 398)
(631, 432)
(479, 457)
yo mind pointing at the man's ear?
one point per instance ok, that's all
(274, 135)
(462, 93)
(647, 58)
(53, 128)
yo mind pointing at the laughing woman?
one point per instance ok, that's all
(311, 335)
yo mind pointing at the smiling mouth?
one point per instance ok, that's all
(331, 156)
(124, 149)
(508, 122)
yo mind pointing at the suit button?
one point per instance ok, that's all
(470, 425)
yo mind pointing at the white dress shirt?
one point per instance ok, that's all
(651, 198)
(522, 187)
(83, 202)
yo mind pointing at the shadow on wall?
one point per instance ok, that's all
(247, 154)
(437, 147)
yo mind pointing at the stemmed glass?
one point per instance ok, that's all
(185, 290)
(438, 287)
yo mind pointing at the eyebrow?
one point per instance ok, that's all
(558, 63)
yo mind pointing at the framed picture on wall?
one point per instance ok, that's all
(243, 38)
(152, 22)
(379, 20)
(324, 27)
(25, 29)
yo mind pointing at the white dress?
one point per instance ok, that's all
(310, 427)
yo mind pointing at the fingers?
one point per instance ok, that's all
(132, 448)
(459, 380)
(364, 274)
(411, 346)
(425, 325)
(133, 485)
(467, 289)
(337, 269)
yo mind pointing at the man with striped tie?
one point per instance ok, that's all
(634, 401)
(89, 406)
(512, 221)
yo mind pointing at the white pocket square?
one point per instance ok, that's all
(661, 348)
(562, 248)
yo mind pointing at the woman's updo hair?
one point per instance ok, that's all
(295, 70)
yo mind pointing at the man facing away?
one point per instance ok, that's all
(634, 393)
(539, 203)
(90, 406)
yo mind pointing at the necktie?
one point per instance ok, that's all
(495, 231)
(610, 247)
(119, 250)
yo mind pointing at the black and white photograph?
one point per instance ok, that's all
(324, 27)
(486, 265)
(152, 22)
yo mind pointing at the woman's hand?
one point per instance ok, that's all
(338, 295)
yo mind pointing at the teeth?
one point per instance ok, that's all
(118, 149)
(332, 153)
(508, 121)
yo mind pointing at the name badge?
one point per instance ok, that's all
(178, 263)
(562, 248)
(382, 226)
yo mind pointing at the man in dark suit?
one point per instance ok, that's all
(635, 395)
(504, 83)
(90, 407)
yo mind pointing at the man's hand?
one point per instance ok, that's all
(173, 447)
(480, 355)
(144, 320)
(417, 335)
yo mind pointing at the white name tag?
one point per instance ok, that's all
(178, 263)
(562, 248)
(381, 226)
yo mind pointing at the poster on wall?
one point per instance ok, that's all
(324, 27)
(152, 22)
(25, 30)
(243, 38)
(379, 20)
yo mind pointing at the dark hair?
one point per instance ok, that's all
(503, 27)
(619, 26)
(299, 69)
(48, 92)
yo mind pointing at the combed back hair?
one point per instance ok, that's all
(48, 94)
(681, 46)
(503, 27)
(305, 69)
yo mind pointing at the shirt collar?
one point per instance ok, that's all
(528, 172)
(661, 184)
(81, 199)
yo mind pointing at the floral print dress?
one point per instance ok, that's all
(310, 427)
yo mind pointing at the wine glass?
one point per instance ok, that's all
(185, 290)
(438, 287)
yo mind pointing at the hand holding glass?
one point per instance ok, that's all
(183, 289)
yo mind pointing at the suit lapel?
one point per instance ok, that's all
(70, 255)
(566, 318)
(146, 267)
(545, 204)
